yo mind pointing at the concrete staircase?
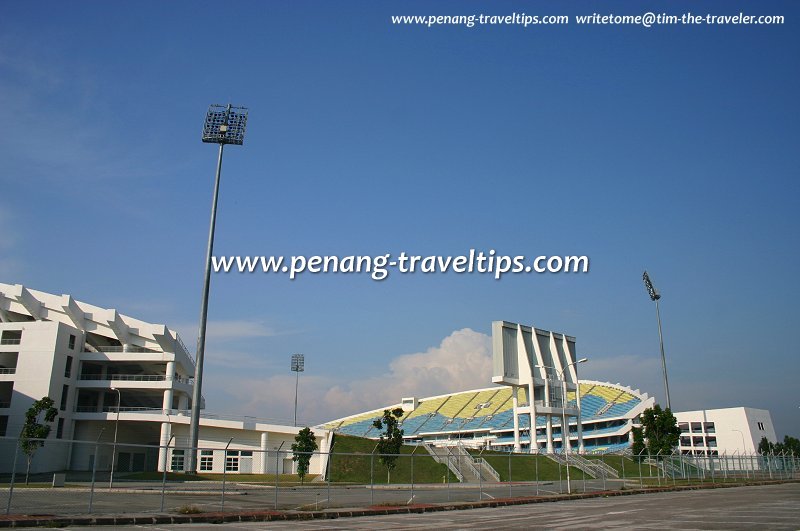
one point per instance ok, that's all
(465, 467)
(591, 467)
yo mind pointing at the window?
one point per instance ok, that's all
(64, 396)
(686, 441)
(177, 460)
(71, 342)
(684, 427)
(697, 427)
(761, 426)
(711, 442)
(60, 428)
(709, 426)
(206, 460)
(68, 367)
(697, 441)
(11, 337)
(232, 461)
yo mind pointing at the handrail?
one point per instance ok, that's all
(8, 370)
(121, 348)
(14, 341)
(125, 377)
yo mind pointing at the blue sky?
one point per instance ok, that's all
(672, 149)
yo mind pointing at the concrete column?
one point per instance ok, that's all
(514, 402)
(167, 403)
(549, 434)
(264, 454)
(534, 448)
(183, 403)
(163, 452)
(170, 372)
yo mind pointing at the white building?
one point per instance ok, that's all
(724, 431)
(99, 365)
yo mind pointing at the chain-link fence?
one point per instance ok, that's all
(82, 477)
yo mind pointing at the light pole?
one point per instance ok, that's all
(564, 425)
(224, 125)
(114, 448)
(298, 366)
(655, 296)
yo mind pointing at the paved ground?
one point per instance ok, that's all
(146, 498)
(762, 507)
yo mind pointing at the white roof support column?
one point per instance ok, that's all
(120, 329)
(74, 312)
(31, 303)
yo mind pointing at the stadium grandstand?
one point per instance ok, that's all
(485, 418)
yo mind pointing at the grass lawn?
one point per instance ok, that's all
(356, 468)
(283, 479)
(527, 467)
(624, 465)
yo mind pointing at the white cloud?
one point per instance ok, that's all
(462, 361)
(225, 330)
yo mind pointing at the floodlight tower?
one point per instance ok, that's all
(655, 296)
(224, 124)
(298, 366)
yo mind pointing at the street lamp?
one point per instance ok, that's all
(224, 125)
(564, 425)
(298, 366)
(655, 296)
(114, 448)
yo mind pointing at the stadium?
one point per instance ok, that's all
(484, 418)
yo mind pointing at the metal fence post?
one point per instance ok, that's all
(330, 473)
(164, 476)
(13, 477)
(277, 456)
(509, 476)
(412, 473)
(480, 475)
(94, 467)
(371, 478)
(448, 475)
(641, 478)
(224, 473)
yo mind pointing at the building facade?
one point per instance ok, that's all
(109, 373)
(708, 432)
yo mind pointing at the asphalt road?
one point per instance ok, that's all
(146, 498)
(762, 507)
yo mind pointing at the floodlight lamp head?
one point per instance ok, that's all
(582, 360)
(651, 290)
(225, 124)
(298, 362)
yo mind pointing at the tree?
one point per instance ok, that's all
(34, 432)
(791, 445)
(391, 440)
(638, 447)
(765, 447)
(660, 430)
(305, 444)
